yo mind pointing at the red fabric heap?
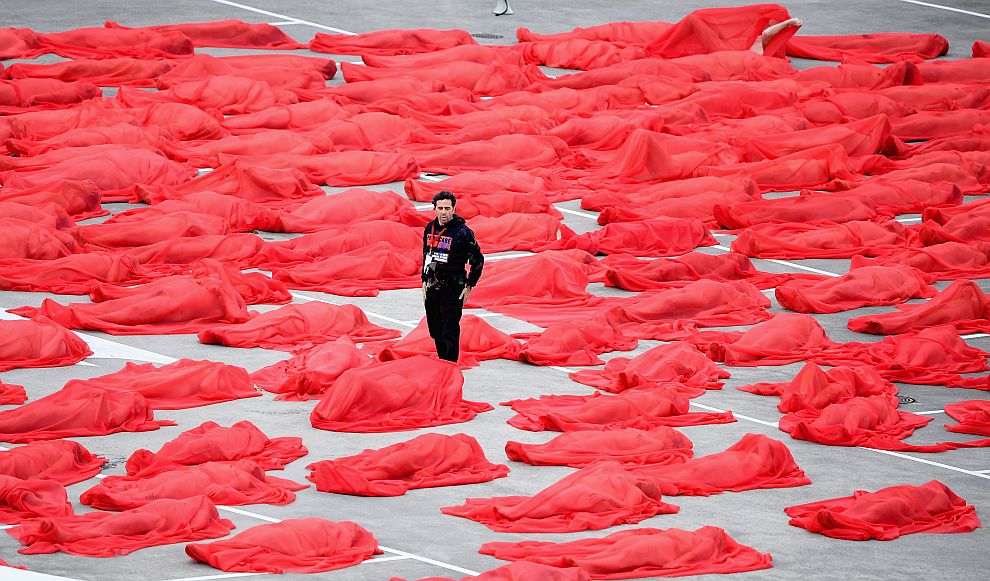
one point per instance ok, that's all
(656, 237)
(23, 499)
(63, 461)
(103, 72)
(348, 208)
(309, 374)
(659, 446)
(80, 199)
(823, 239)
(722, 29)
(293, 326)
(596, 497)
(575, 342)
(75, 274)
(962, 304)
(241, 179)
(664, 405)
(423, 462)
(973, 417)
(325, 243)
(479, 342)
(390, 42)
(784, 339)
(152, 229)
(629, 273)
(677, 363)
(39, 343)
(211, 442)
(23, 239)
(945, 261)
(24, 95)
(343, 169)
(981, 49)
(877, 47)
(175, 256)
(360, 272)
(637, 553)
(238, 214)
(12, 394)
(888, 513)
(238, 483)
(301, 545)
(814, 388)
(861, 287)
(106, 534)
(226, 33)
(405, 394)
(825, 207)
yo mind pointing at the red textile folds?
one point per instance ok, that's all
(579, 54)
(78, 411)
(63, 461)
(862, 76)
(11, 394)
(864, 286)
(211, 442)
(104, 534)
(80, 200)
(521, 571)
(24, 499)
(240, 179)
(802, 169)
(664, 405)
(520, 152)
(360, 272)
(390, 42)
(151, 230)
(973, 417)
(660, 445)
(399, 395)
(944, 261)
(348, 208)
(309, 374)
(631, 32)
(104, 72)
(175, 256)
(981, 49)
(342, 168)
(903, 196)
(813, 388)
(973, 225)
(962, 304)
(180, 385)
(629, 273)
(515, 231)
(593, 498)
(656, 237)
(122, 134)
(834, 208)
(21, 43)
(320, 245)
(863, 137)
(479, 342)
(23, 95)
(186, 306)
(488, 182)
(644, 552)
(720, 29)
(676, 362)
(575, 342)
(23, 239)
(465, 52)
(225, 33)
(888, 513)
(40, 343)
(75, 274)
(422, 462)
(784, 339)
(686, 189)
(302, 325)
(648, 156)
(700, 207)
(234, 484)
(300, 545)
(228, 94)
(295, 116)
(207, 153)
(823, 239)
(115, 42)
(877, 47)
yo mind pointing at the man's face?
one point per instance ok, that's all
(444, 210)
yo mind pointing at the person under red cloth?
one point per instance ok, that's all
(973, 417)
(981, 49)
(763, 28)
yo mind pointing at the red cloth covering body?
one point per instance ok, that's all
(309, 374)
(150, 230)
(12, 394)
(343, 168)
(973, 417)
(106, 534)
(303, 545)
(655, 237)
(23, 499)
(405, 394)
(425, 461)
(175, 256)
(981, 49)
(962, 304)
(835, 208)
(75, 274)
(629, 273)
(575, 342)
(39, 343)
(360, 272)
(638, 553)
(104, 72)
(228, 94)
(238, 178)
(351, 207)
(596, 497)
(677, 362)
(211, 442)
(479, 342)
(721, 29)
(63, 461)
(861, 287)
(303, 325)
(24, 95)
(663, 405)
(617, 32)
(629, 446)
(877, 47)
(813, 388)
(113, 42)
(944, 261)
(80, 199)
(240, 215)
(784, 339)
(823, 239)
(23, 239)
(515, 231)
(888, 513)
(521, 571)
(225, 33)
(325, 243)
(390, 42)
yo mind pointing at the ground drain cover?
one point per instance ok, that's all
(905, 399)
(491, 35)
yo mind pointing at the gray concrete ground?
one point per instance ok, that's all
(421, 541)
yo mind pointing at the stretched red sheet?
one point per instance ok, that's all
(363, 271)
(227, 94)
(663, 405)
(784, 339)
(632, 274)
(423, 462)
(301, 545)
(888, 513)
(106, 534)
(860, 287)
(103, 72)
(677, 362)
(39, 343)
(23, 239)
(962, 304)
(175, 256)
(515, 231)
(520, 152)
(973, 417)
(80, 199)
(63, 461)
(971, 226)
(23, 499)
(944, 261)
(293, 326)
(325, 243)
(405, 394)
(273, 141)
(814, 388)
(826, 207)
(226, 33)
(654, 237)
(619, 32)
(348, 208)
(115, 42)
(24, 95)
(150, 230)
(639, 553)
(575, 342)
(238, 178)
(823, 239)
(343, 168)
(521, 571)
(630, 446)
(720, 29)
(479, 342)
(877, 47)
(390, 42)
(592, 498)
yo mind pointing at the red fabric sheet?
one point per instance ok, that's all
(981, 49)
(351, 207)
(720, 29)
(105, 72)
(677, 362)
(24, 95)
(829, 207)
(877, 47)
(114, 42)
(63, 461)
(175, 256)
(425, 461)
(823, 239)
(23, 499)
(334, 241)
(813, 388)
(23, 239)
(80, 199)
(240, 179)
(150, 230)
(861, 287)
(228, 94)
(784, 339)
(973, 417)
(105, 534)
(654, 237)
(405, 394)
(630, 446)
(632, 274)
(962, 304)
(632, 32)
(309, 374)
(12, 394)
(225, 33)
(592, 498)
(888, 513)
(479, 342)
(390, 42)
(360, 272)
(575, 342)
(39, 343)
(301, 545)
(943, 261)
(344, 168)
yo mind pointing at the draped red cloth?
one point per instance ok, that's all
(515, 231)
(360, 272)
(21, 43)
(479, 342)
(23, 499)
(175, 256)
(834, 208)
(49, 216)
(228, 94)
(888, 513)
(24, 95)
(981, 49)
(618, 32)
(309, 374)
(63, 461)
(302, 325)
(39, 343)
(80, 199)
(405, 394)
(230, 33)
(654, 237)
(425, 461)
(962, 304)
(521, 571)
(105, 72)
(344, 168)
(642, 552)
(302, 545)
(630, 446)
(814, 388)
(973, 417)
(390, 42)
(632, 274)
(207, 153)
(860, 287)
(150, 230)
(11, 393)
(876, 47)
(721, 29)
(116, 42)
(579, 54)
(823, 239)
(352, 207)
(663, 405)
(943, 261)
(238, 178)
(784, 339)
(107, 534)
(334, 241)
(596, 497)
(23, 239)
(574, 342)
(677, 362)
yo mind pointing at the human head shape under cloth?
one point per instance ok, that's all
(443, 204)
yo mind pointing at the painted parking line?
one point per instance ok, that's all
(949, 8)
(369, 313)
(277, 15)
(929, 413)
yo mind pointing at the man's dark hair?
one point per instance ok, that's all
(444, 195)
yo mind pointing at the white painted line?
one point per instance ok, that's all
(431, 177)
(488, 315)
(714, 409)
(982, 471)
(284, 23)
(248, 513)
(277, 15)
(928, 413)
(929, 462)
(487, 259)
(5, 527)
(905, 220)
(424, 207)
(383, 559)
(974, 335)
(783, 262)
(369, 313)
(949, 8)
(564, 369)
(576, 213)
(220, 576)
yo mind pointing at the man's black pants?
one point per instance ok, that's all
(443, 315)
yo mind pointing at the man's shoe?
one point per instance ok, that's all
(502, 8)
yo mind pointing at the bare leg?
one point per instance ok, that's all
(773, 30)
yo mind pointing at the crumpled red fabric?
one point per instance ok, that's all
(630, 273)
(112, 42)
(860, 287)
(63, 461)
(103, 72)
(823, 239)
(230, 33)
(596, 497)
(25, 95)
(405, 394)
(888, 513)
(75, 274)
(311, 372)
(574, 342)
(150, 230)
(227, 94)
(107, 534)
(722, 29)
(654, 237)
(390, 42)
(80, 199)
(835, 208)
(973, 417)
(360, 272)
(348, 208)
(479, 342)
(425, 461)
(39, 343)
(630, 446)
(876, 47)
(515, 231)
(238, 214)
(241, 179)
(333, 241)
(815, 388)
(521, 571)
(12, 394)
(23, 239)
(677, 363)
(962, 304)
(342, 168)
(784, 339)
(29, 498)
(943, 261)
(299, 545)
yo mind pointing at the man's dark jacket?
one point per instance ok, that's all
(455, 243)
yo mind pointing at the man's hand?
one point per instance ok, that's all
(465, 294)
(424, 292)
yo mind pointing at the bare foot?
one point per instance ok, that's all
(773, 30)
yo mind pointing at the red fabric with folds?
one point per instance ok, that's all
(334, 241)
(835, 208)
(823, 239)
(23, 239)
(106, 534)
(360, 272)
(677, 362)
(238, 178)
(638, 553)
(21, 43)
(344, 168)
(300, 545)
(721, 29)
(63, 461)
(228, 94)
(521, 571)
(75, 274)
(151, 230)
(973, 417)
(175, 256)
(80, 199)
(116, 42)
(575, 342)
(405, 394)
(207, 153)
(860, 287)
(943, 261)
(23, 499)
(630, 446)
(631, 32)
(654, 237)
(784, 339)
(12, 394)
(630, 273)
(425, 461)
(39, 343)
(351, 207)
(877, 47)
(962, 304)
(310, 373)
(888, 513)
(104, 72)
(226, 33)
(592, 498)
(813, 388)
(479, 342)
(24, 95)
(981, 49)
(515, 231)
(49, 215)
(390, 42)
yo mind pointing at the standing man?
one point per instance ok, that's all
(448, 245)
